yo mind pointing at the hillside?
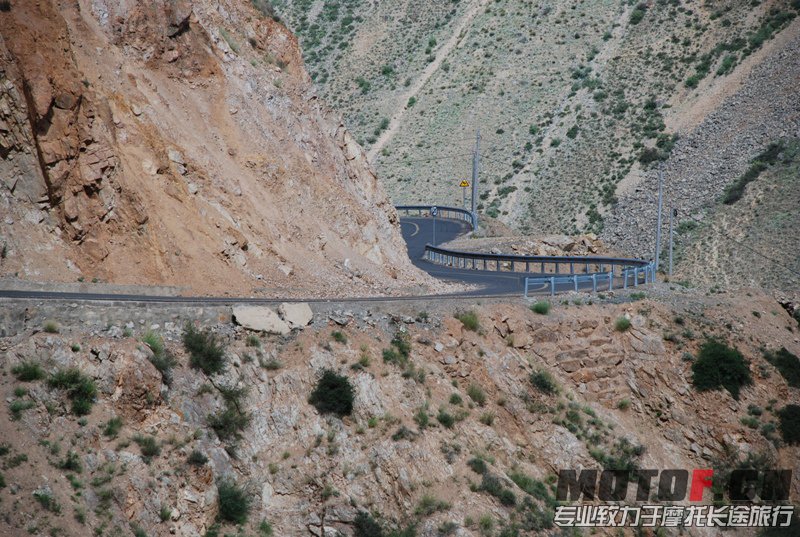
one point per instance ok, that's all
(180, 143)
(577, 102)
(457, 427)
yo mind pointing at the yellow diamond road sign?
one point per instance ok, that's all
(464, 183)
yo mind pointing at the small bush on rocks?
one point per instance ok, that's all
(333, 394)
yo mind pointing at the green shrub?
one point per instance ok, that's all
(624, 404)
(71, 462)
(469, 319)
(2, 481)
(148, 446)
(478, 465)
(621, 456)
(228, 423)
(637, 15)
(196, 458)
(477, 394)
(17, 406)
(112, 427)
(765, 159)
(719, 366)
(366, 526)
(399, 351)
(161, 358)
(445, 418)
(789, 417)
(333, 394)
(339, 337)
(750, 421)
(51, 327)
(494, 486)
(541, 307)
(544, 382)
(28, 371)
(253, 341)
(429, 505)
(205, 351)
(80, 389)
(164, 513)
(234, 502)
(47, 501)
(787, 364)
(622, 324)
(264, 529)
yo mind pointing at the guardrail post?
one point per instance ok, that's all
(611, 280)
(557, 265)
(552, 286)
(575, 277)
(542, 267)
(587, 268)
(572, 267)
(594, 283)
(625, 278)
(636, 277)
(512, 266)
(484, 263)
(526, 287)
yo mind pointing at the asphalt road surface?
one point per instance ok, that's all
(419, 231)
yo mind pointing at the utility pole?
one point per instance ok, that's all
(672, 214)
(660, 205)
(475, 161)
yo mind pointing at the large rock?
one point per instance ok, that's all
(261, 319)
(297, 314)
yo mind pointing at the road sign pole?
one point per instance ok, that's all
(672, 214)
(660, 204)
(434, 212)
(475, 163)
(464, 197)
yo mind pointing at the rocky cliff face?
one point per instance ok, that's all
(434, 439)
(179, 143)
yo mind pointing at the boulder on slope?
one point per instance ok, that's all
(297, 314)
(261, 319)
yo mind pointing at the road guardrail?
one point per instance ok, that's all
(451, 213)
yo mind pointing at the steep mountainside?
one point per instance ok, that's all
(457, 427)
(175, 142)
(577, 102)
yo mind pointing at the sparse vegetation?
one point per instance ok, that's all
(28, 371)
(160, 357)
(233, 502)
(148, 446)
(544, 382)
(541, 307)
(789, 417)
(622, 324)
(339, 337)
(477, 394)
(469, 319)
(80, 389)
(763, 161)
(205, 351)
(333, 394)
(196, 458)
(787, 364)
(719, 366)
(51, 327)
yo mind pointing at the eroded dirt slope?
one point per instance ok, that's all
(180, 143)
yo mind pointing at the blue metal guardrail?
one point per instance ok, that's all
(452, 213)
(597, 279)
